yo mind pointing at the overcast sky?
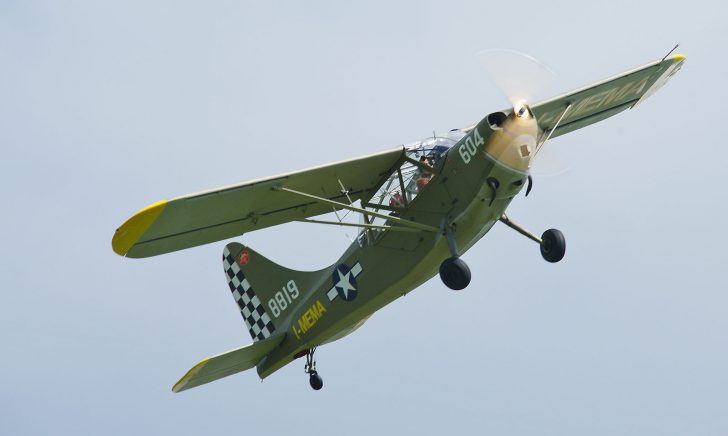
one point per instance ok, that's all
(106, 107)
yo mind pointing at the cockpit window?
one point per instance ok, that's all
(437, 146)
(404, 185)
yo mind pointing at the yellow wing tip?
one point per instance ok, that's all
(679, 57)
(133, 229)
(180, 385)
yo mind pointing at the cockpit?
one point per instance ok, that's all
(403, 186)
(430, 152)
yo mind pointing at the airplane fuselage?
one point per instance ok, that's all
(369, 276)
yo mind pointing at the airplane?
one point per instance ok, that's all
(421, 205)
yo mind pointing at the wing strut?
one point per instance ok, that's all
(393, 219)
(364, 226)
(553, 129)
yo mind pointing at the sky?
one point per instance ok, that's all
(107, 107)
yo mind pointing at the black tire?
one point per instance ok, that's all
(455, 273)
(553, 245)
(316, 381)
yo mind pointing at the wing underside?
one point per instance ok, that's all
(227, 212)
(598, 101)
(223, 213)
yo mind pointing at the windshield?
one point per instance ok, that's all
(435, 147)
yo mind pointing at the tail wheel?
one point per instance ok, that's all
(553, 245)
(315, 381)
(455, 273)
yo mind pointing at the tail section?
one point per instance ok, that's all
(265, 293)
(263, 289)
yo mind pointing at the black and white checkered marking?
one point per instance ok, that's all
(344, 279)
(256, 319)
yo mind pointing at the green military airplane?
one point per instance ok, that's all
(422, 206)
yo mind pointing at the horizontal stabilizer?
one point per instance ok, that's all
(225, 364)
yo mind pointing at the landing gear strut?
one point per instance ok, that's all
(552, 242)
(314, 379)
(454, 272)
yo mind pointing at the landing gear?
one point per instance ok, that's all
(552, 242)
(553, 245)
(314, 379)
(454, 272)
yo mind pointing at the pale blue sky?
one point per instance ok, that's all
(109, 106)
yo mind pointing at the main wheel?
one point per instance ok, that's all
(455, 273)
(316, 381)
(553, 245)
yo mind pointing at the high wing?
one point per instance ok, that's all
(601, 100)
(598, 101)
(227, 212)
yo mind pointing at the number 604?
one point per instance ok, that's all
(469, 148)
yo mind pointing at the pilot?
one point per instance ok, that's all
(396, 201)
(425, 176)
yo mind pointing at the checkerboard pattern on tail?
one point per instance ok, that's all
(256, 319)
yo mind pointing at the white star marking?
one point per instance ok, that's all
(345, 284)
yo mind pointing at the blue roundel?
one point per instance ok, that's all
(345, 282)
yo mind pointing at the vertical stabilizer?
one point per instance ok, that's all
(264, 291)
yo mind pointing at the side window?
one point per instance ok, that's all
(405, 183)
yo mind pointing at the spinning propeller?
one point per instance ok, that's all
(523, 80)
(520, 77)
